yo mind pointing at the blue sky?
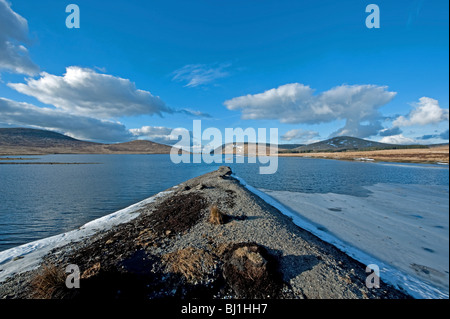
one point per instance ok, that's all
(138, 69)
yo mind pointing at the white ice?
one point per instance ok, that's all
(401, 228)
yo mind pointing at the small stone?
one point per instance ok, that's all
(200, 187)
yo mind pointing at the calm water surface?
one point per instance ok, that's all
(37, 201)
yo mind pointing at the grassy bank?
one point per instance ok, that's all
(421, 155)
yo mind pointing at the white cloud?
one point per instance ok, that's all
(85, 92)
(398, 139)
(165, 135)
(296, 103)
(200, 74)
(303, 136)
(86, 102)
(152, 131)
(14, 31)
(157, 134)
(77, 126)
(354, 128)
(426, 111)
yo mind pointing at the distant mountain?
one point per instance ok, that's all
(25, 141)
(138, 146)
(25, 137)
(347, 143)
(336, 144)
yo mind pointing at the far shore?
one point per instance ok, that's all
(428, 156)
(17, 158)
(432, 155)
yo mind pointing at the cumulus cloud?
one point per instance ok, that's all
(85, 92)
(426, 111)
(77, 126)
(296, 103)
(151, 131)
(200, 74)
(354, 128)
(301, 135)
(86, 103)
(158, 134)
(398, 139)
(13, 34)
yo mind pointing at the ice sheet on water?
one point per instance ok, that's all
(401, 228)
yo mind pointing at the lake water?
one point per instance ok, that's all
(407, 203)
(37, 201)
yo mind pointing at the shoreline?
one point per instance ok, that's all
(433, 155)
(372, 160)
(436, 155)
(306, 266)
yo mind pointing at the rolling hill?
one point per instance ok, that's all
(346, 143)
(25, 141)
(350, 148)
(336, 144)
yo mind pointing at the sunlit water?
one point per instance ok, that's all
(37, 201)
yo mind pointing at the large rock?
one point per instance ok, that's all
(251, 272)
(224, 171)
